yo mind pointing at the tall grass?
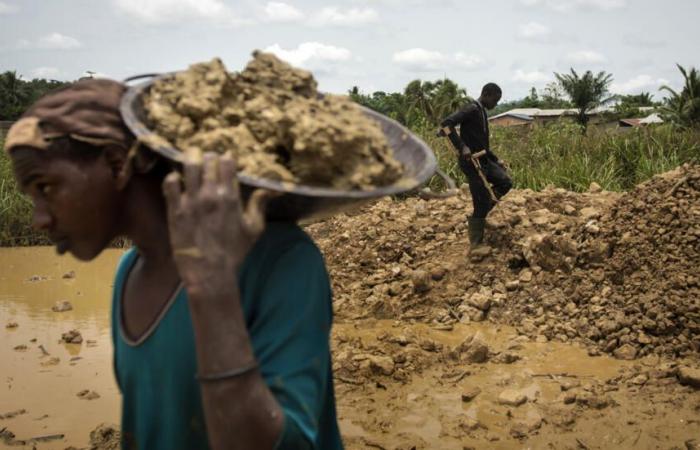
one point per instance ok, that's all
(554, 155)
(560, 155)
(15, 209)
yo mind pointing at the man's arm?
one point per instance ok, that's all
(211, 234)
(460, 116)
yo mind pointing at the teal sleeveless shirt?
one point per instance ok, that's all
(286, 299)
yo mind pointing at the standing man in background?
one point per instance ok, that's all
(474, 134)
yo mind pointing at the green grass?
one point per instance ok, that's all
(555, 155)
(560, 155)
(15, 209)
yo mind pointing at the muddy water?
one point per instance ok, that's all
(31, 281)
(426, 411)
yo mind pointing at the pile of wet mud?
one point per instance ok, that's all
(615, 272)
(275, 122)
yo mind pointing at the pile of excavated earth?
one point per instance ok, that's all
(617, 273)
(274, 121)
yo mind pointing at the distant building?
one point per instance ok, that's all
(537, 116)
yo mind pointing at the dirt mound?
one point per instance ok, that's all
(272, 116)
(616, 272)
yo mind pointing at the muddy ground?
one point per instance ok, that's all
(576, 327)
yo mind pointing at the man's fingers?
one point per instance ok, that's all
(227, 174)
(210, 172)
(254, 216)
(172, 191)
(193, 171)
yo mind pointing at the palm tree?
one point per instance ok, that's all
(447, 98)
(684, 108)
(419, 96)
(586, 92)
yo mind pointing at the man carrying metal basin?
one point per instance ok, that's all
(220, 318)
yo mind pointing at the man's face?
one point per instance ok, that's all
(75, 202)
(490, 101)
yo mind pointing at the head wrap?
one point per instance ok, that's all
(86, 111)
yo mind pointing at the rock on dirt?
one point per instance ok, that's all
(87, 394)
(689, 377)
(11, 325)
(72, 337)
(470, 394)
(62, 306)
(511, 397)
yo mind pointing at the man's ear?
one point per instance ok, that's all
(118, 160)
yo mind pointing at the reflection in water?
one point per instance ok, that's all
(45, 379)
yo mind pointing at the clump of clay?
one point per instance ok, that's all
(275, 122)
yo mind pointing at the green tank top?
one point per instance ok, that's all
(286, 299)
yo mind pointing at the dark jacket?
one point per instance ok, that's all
(473, 127)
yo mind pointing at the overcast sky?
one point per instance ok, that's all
(374, 44)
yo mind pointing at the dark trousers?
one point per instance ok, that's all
(497, 177)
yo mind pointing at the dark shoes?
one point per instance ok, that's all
(476, 231)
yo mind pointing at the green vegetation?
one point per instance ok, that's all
(557, 154)
(586, 92)
(16, 94)
(560, 155)
(684, 108)
(15, 209)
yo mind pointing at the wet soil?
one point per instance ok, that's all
(574, 328)
(273, 120)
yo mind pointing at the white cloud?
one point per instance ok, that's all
(172, 11)
(6, 8)
(532, 77)
(282, 12)
(534, 31)
(638, 84)
(471, 62)
(52, 41)
(309, 53)
(45, 72)
(567, 5)
(422, 60)
(333, 16)
(585, 57)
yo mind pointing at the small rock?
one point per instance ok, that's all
(639, 380)
(541, 339)
(420, 280)
(469, 424)
(512, 285)
(20, 348)
(568, 384)
(438, 273)
(53, 361)
(13, 414)
(569, 398)
(525, 275)
(627, 351)
(61, 306)
(689, 377)
(470, 394)
(692, 444)
(69, 275)
(86, 394)
(594, 188)
(511, 397)
(72, 337)
(480, 301)
(589, 213)
(477, 353)
(531, 423)
(569, 210)
(381, 364)
(11, 325)
(479, 253)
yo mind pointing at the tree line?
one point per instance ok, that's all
(426, 103)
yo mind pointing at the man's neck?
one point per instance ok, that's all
(146, 222)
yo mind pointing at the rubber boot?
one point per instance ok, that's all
(476, 231)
